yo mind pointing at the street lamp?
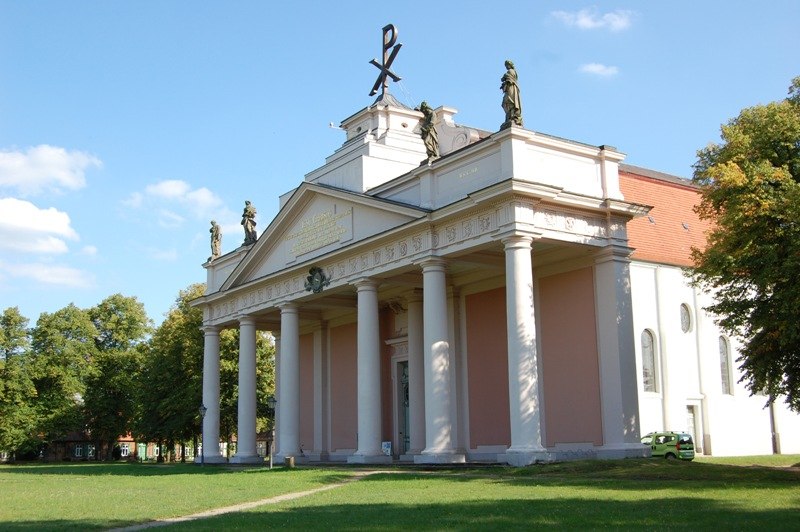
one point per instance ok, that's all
(271, 402)
(203, 411)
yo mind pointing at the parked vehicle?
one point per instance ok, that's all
(670, 445)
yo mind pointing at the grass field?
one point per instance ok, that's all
(705, 494)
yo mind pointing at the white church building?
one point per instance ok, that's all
(519, 298)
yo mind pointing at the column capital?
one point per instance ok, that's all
(433, 263)
(288, 308)
(613, 253)
(210, 330)
(517, 241)
(246, 319)
(365, 283)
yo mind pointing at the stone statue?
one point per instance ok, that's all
(429, 135)
(249, 224)
(216, 240)
(512, 103)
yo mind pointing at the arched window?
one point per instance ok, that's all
(725, 365)
(686, 318)
(649, 375)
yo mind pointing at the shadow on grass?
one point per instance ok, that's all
(506, 514)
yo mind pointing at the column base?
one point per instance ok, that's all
(369, 459)
(247, 459)
(521, 458)
(442, 457)
(219, 459)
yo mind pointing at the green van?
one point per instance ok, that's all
(670, 445)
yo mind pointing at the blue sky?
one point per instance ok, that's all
(126, 126)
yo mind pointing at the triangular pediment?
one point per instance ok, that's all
(318, 220)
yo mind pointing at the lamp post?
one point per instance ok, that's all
(271, 402)
(203, 411)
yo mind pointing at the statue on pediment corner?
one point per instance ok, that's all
(249, 224)
(216, 240)
(512, 103)
(428, 133)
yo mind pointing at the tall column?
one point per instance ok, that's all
(619, 401)
(436, 340)
(289, 387)
(369, 376)
(416, 374)
(246, 432)
(210, 450)
(523, 369)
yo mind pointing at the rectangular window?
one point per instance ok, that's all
(125, 449)
(79, 451)
(90, 450)
(649, 376)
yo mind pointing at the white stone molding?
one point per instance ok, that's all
(246, 432)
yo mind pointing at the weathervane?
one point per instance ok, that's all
(389, 38)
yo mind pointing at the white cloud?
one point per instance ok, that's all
(599, 69)
(49, 274)
(27, 228)
(167, 219)
(590, 19)
(89, 251)
(45, 168)
(171, 188)
(167, 197)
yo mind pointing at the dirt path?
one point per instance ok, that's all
(244, 506)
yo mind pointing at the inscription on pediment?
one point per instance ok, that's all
(320, 230)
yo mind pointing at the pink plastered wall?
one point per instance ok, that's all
(344, 408)
(566, 313)
(307, 391)
(487, 368)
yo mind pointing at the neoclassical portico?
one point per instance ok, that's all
(436, 311)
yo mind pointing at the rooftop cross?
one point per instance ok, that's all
(389, 38)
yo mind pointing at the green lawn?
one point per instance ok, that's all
(586, 494)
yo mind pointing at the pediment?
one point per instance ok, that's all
(318, 220)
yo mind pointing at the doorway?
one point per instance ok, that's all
(403, 424)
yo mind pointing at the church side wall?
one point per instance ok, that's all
(343, 371)
(487, 368)
(570, 358)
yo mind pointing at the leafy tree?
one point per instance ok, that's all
(750, 187)
(17, 421)
(110, 399)
(171, 380)
(121, 322)
(14, 338)
(63, 349)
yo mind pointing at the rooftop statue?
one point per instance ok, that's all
(429, 135)
(512, 103)
(249, 224)
(216, 240)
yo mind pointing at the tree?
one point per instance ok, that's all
(63, 350)
(170, 387)
(110, 399)
(750, 186)
(14, 338)
(17, 393)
